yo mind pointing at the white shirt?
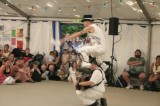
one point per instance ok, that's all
(71, 71)
(97, 37)
(156, 68)
(51, 58)
(96, 78)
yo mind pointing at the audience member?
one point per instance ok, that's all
(6, 67)
(12, 59)
(136, 69)
(20, 73)
(154, 74)
(72, 73)
(65, 61)
(45, 72)
(53, 75)
(70, 48)
(36, 73)
(79, 43)
(53, 69)
(6, 52)
(54, 66)
(51, 56)
(61, 73)
(73, 57)
(65, 45)
(27, 55)
(5, 73)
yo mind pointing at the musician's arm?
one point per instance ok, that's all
(86, 83)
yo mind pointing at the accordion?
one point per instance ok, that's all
(81, 79)
(85, 76)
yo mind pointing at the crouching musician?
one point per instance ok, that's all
(96, 85)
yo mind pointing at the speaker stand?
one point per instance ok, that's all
(111, 76)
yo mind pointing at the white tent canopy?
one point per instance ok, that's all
(123, 9)
(138, 29)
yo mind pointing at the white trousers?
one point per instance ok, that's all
(94, 51)
(9, 81)
(89, 96)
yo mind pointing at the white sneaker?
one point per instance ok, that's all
(141, 87)
(129, 86)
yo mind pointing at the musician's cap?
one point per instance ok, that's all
(87, 18)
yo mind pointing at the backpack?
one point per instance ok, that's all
(121, 82)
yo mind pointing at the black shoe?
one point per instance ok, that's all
(103, 102)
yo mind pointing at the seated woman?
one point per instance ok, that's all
(6, 67)
(155, 73)
(12, 59)
(54, 66)
(5, 72)
(6, 52)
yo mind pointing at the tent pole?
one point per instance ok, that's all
(15, 8)
(148, 63)
(139, 2)
(28, 33)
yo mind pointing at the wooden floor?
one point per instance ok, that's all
(53, 93)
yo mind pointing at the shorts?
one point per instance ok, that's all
(134, 74)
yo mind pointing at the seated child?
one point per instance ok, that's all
(73, 73)
(36, 73)
(45, 72)
(61, 73)
(51, 56)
